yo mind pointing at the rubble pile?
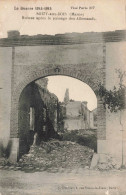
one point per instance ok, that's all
(109, 164)
(54, 154)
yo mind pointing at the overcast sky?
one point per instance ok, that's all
(77, 90)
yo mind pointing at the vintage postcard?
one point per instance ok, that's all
(63, 97)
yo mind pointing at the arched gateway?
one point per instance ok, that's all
(82, 56)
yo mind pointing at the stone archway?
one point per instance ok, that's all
(66, 56)
(90, 57)
(35, 75)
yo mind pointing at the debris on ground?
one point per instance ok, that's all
(109, 164)
(54, 155)
(57, 154)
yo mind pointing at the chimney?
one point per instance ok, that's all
(66, 97)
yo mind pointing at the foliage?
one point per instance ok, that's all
(114, 99)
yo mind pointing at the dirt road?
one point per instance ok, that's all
(76, 182)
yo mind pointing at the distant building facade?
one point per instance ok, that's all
(76, 115)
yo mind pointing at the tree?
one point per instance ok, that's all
(113, 99)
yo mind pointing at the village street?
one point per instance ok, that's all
(75, 182)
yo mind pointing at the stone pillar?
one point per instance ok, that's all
(101, 132)
(116, 136)
(14, 154)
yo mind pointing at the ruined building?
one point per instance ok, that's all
(38, 113)
(41, 113)
(76, 115)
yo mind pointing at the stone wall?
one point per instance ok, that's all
(43, 83)
(5, 94)
(84, 62)
(76, 115)
(33, 96)
(30, 98)
(91, 62)
(115, 59)
(52, 105)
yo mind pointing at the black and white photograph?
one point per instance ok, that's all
(62, 97)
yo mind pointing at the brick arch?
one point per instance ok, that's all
(35, 75)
